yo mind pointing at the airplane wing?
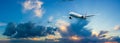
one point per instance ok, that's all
(90, 15)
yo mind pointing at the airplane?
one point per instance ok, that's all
(76, 15)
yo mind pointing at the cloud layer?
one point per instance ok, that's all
(76, 32)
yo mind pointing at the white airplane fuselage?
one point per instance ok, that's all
(77, 16)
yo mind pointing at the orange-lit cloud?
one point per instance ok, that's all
(63, 28)
(62, 25)
(35, 38)
(51, 36)
(110, 42)
(56, 36)
(117, 27)
(95, 33)
(75, 38)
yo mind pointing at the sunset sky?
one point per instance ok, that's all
(107, 13)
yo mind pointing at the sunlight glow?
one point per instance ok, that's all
(110, 42)
(62, 25)
(95, 34)
(75, 38)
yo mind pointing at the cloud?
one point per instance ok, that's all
(75, 38)
(78, 28)
(35, 6)
(103, 32)
(2, 24)
(10, 29)
(50, 19)
(117, 27)
(77, 32)
(95, 33)
(116, 38)
(62, 25)
(29, 29)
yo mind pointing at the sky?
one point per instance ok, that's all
(106, 12)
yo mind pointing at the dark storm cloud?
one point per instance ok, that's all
(78, 28)
(102, 33)
(29, 29)
(116, 38)
(10, 29)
